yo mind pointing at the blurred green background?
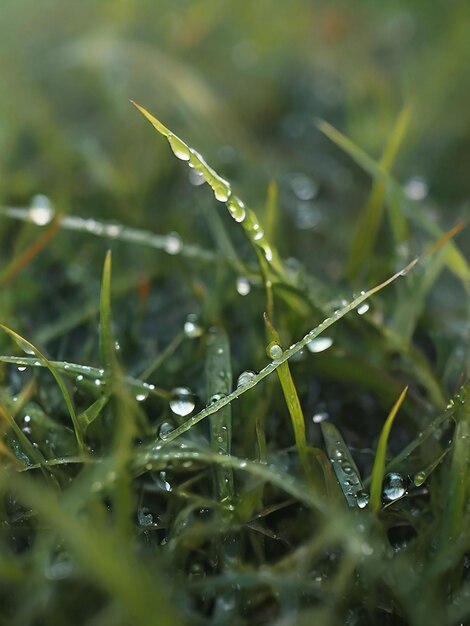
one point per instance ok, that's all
(243, 82)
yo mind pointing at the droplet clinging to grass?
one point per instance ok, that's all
(274, 350)
(182, 402)
(192, 328)
(40, 210)
(319, 344)
(245, 377)
(394, 486)
(243, 286)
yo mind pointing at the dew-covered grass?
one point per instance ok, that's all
(233, 390)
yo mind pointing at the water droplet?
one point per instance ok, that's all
(416, 188)
(79, 378)
(196, 178)
(394, 486)
(173, 243)
(419, 478)
(221, 191)
(320, 417)
(237, 209)
(192, 328)
(141, 396)
(144, 516)
(243, 286)
(27, 419)
(180, 149)
(347, 469)
(40, 210)
(97, 382)
(165, 429)
(162, 482)
(113, 230)
(363, 308)
(245, 377)
(274, 350)
(21, 368)
(303, 187)
(319, 344)
(362, 499)
(215, 398)
(183, 402)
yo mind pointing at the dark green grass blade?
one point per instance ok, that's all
(102, 555)
(344, 466)
(380, 456)
(219, 384)
(30, 349)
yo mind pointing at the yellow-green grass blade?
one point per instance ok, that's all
(107, 350)
(378, 468)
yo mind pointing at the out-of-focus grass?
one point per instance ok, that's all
(149, 473)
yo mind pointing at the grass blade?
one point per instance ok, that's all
(380, 456)
(107, 350)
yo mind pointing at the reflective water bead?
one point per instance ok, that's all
(165, 429)
(237, 209)
(180, 149)
(243, 286)
(319, 344)
(183, 402)
(274, 350)
(320, 417)
(173, 243)
(40, 210)
(362, 499)
(192, 328)
(394, 486)
(245, 377)
(363, 308)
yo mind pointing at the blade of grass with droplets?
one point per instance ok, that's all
(293, 403)
(371, 216)
(454, 258)
(101, 554)
(344, 466)
(28, 347)
(26, 256)
(218, 385)
(222, 191)
(458, 480)
(378, 468)
(286, 355)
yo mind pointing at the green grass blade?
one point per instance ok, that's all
(286, 355)
(107, 350)
(344, 466)
(222, 192)
(454, 258)
(30, 349)
(458, 481)
(371, 216)
(88, 416)
(102, 555)
(219, 384)
(380, 456)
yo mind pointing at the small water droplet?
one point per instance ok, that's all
(274, 350)
(319, 344)
(416, 188)
(245, 377)
(394, 486)
(221, 190)
(180, 149)
(79, 378)
(196, 178)
(97, 382)
(215, 398)
(419, 478)
(192, 328)
(303, 187)
(40, 210)
(320, 417)
(173, 243)
(237, 209)
(243, 286)
(363, 308)
(183, 402)
(21, 368)
(141, 396)
(362, 499)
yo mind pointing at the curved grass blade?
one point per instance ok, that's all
(88, 416)
(30, 349)
(285, 356)
(371, 216)
(395, 194)
(378, 468)
(222, 191)
(219, 384)
(344, 466)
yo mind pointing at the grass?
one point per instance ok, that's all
(194, 388)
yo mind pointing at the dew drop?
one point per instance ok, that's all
(362, 499)
(140, 397)
(394, 486)
(192, 328)
(303, 187)
(183, 402)
(196, 178)
(237, 209)
(419, 478)
(215, 398)
(347, 469)
(320, 417)
(144, 516)
(274, 350)
(416, 188)
(180, 149)
(319, 344)
(173, 243)
(243, 286)
(165, 429)
(22, 368)
(221, 191)
(40, 210)
(363, 308)
(245, 377)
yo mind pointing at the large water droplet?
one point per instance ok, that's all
(180, 149)
(319, 344)
(40, 210)
(245, 377)
(192, 328)
(394, 486)
(196, 178)
(183, 402)
(274, 350)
